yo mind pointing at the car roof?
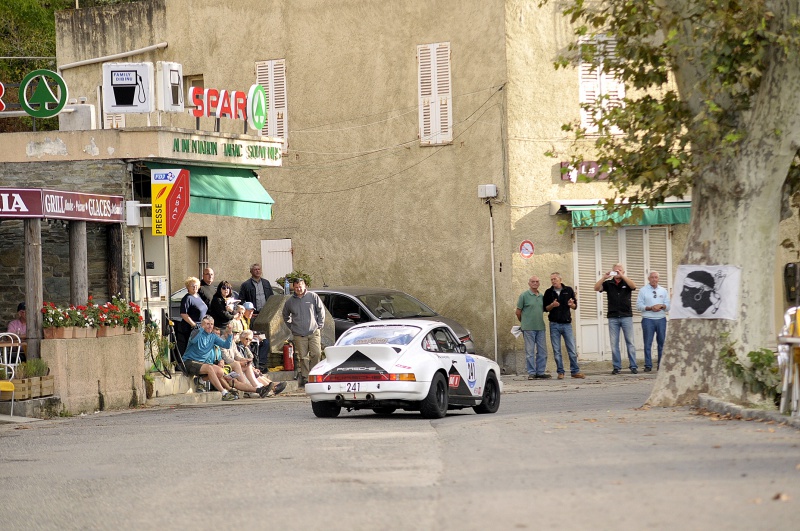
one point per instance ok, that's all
(424, 324)
(356, 291)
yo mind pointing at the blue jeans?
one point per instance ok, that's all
(535, 341)
(626, 324)
(557, 331)
(651, 327)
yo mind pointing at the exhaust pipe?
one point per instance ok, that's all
(339, 399)
(370, 396)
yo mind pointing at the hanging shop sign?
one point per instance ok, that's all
(169, 189)
(234, 104)
(128, 88)
(36, 96)
(588, 169)
(169, 86)
(56, 204)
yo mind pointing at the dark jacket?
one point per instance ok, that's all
(560, 314)
(247, 293)
(219, 312)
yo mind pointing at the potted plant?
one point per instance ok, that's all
(33, 379)
(297, 273)
(55, 321)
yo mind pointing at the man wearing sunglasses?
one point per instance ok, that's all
(653, 302)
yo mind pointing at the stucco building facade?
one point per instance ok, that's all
(380, 174)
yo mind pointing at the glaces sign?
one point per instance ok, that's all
(234, 104)
(55, 204)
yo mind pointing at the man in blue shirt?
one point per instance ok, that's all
(653, 302)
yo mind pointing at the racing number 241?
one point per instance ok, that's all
(353, 387)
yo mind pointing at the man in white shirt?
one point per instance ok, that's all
(653, 303)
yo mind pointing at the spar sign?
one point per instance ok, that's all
(169, 189)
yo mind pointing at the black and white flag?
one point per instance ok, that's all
(706, 292)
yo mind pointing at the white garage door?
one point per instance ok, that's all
(596, 250)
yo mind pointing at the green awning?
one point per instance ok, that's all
(231, 192)
(677, 213)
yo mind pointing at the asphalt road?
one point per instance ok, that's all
(558, 455)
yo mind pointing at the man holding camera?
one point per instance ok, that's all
(618, 289)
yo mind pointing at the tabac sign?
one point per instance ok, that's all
(169, 189)
(55, 204)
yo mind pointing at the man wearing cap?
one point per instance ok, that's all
(304, 314)
(19, 325)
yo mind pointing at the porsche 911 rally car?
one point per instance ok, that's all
(408, 364)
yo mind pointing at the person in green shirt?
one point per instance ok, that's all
(530, 313)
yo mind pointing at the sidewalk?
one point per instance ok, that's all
(596, 372)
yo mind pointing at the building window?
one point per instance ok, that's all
(435, 94)
(188, 83)
(597, 87)
(196, 255)
(272, 76)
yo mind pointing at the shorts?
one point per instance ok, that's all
(193, 367)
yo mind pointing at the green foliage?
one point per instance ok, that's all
(670, 129)
(156, 348)
(297, 273)
(761, 376)
(32, 368)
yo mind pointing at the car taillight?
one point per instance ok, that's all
(402, 377)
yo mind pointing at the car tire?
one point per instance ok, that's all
(326, 410)
(490, 402)
(434, 406)
(384, 410)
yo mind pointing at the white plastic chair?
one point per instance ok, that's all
(10, 349)
(8, 385)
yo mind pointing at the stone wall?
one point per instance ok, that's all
(86, 369)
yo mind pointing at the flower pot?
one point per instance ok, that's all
(49, 332)
(63, 332)
(78, 332)
(91, 332)
(106, 331)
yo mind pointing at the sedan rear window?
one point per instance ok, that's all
(379, 335)
(395, 306)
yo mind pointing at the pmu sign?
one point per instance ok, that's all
(169, 189)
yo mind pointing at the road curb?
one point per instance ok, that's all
(710, 403)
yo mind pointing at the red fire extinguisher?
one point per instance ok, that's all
(288, 356)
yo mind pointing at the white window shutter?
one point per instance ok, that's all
(589, 92)
(278, 107)
(425, 64)
(444, 93)
(272, 76)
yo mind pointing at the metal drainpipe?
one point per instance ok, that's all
(111, 57)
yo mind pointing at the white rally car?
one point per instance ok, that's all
(407, 364)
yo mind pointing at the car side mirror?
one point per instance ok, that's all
(461, 348)
(355, 317)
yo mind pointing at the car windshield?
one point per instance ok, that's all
(395, 306)
(379, 335)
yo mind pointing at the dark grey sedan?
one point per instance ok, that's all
(352, 305)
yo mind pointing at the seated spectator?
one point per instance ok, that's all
(243, 342)
(261, 349)
(19, 325)
(221, 307)
(200, 359)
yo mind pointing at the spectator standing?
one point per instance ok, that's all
(618, 289)
(256, 289)
(193, 309)
(19, 325)
(207, 288)
(653, 303)
(304, 314)
(530, 314)
(559, 301)
(221, 307)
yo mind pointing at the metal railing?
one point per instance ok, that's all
(789, 363)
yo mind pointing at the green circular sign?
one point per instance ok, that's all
(43, 97)
(257, 107)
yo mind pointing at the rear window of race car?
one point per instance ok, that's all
(379, 335)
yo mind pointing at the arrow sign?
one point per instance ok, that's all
(177, 202)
